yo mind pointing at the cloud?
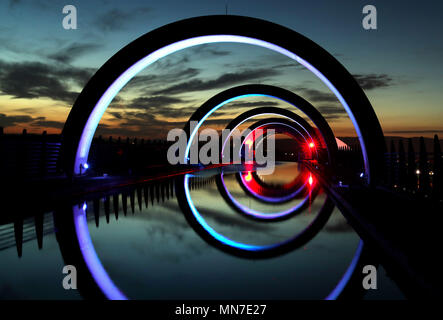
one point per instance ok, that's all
(14, 120)
(10, 121)
(366, 81)
(43, 123)
(290, 65)
(117, 115)
(30, 80)
(13, 3)
(155, 105)
(73, 51)
(142, 113)
(314, 95)
(162, 105)
(373, 81)
(139, 123)
(197, 53)
(148, 82)
(224, 80)
(154, 102)
(27, 110)
(209, 50)
(332, 112)
(116, 19)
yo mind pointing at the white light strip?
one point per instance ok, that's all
(125, 77)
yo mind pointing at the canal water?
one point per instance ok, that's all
(157, 252)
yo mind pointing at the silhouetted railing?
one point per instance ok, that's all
(115, 204)
(29, 155)
(118, 156)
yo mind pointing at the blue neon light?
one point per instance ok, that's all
(125, 77)
(283, 124)
(259, 214)
(348, 274)
(194, 132)
(93, 263)
(212, 232)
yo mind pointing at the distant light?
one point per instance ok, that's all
(362, 175)
(312, 145)
(85, 206)
(248, 176)
(417, 172)
(431, 173)
(85, 166)
(310, 180)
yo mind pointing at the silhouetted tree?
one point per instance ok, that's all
(411, 175)
(437, 169)
(401, 164)
(392, 171)
(423, 167)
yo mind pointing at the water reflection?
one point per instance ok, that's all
(156, 255)
(137, 242)
(306, 193)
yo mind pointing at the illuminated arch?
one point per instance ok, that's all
(92, 102)
(254, 90)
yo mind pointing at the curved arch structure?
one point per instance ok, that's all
(94, 99)
(307, 196)
(279, 126)
(252, 185)
(259, 189)
(301, 124)
(92, 102)
(224, 97)
(211, 236)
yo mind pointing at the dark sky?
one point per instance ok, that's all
(43, 67)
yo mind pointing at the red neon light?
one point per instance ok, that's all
(312, 145)
(310, 180)
(248, 177)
